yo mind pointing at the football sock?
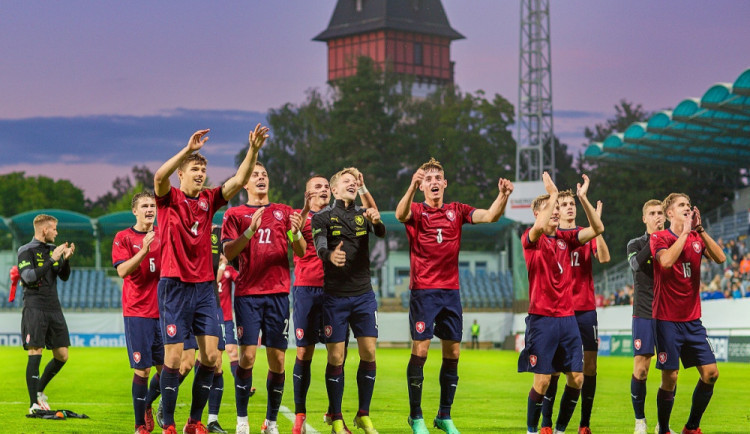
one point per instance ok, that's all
(549, 401)
(301, 378)
(664, 403)
(701, 397)
(448, 384)
(568, 402)
(533, 410)
(170, 386)
(638, 396)
(243, 384)
(233, 367)
(32, 377)
(587, 398)
(217, 392)
(414, 379)
(335, 389)
(204, 376)
(139, 390)
(52, 368)
(153, 390)
(275, 388)
(365, 385)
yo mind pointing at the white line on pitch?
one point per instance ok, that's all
(290, 415)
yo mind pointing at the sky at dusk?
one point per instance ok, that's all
(88, 89)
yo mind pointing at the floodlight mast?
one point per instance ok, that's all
(535, 150)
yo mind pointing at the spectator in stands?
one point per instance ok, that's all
(726, 280)
(736, 290)
(715, 284)
(745, 265)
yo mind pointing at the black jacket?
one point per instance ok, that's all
(336, 224)
(39, 275)
(642, 264)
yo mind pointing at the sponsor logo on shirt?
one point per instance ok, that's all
(278, 214)
(136, 357)
(300, 333)
(23, 264)
(419, 326)
(214, 239)
(203, 204)
(450, 214)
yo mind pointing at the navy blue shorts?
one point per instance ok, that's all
(308, 315)
(230, 336)
(588, 327)
(553, 344)
(190, 343)
(222, 332)
(435, 312)
(682, 340)
(186, 307)
(264, 315)
(358, 312)
(143, 340)
(644, 341)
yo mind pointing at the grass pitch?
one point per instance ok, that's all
(491, 396)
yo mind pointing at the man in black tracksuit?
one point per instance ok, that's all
(40, 263)
(341, 235)
(644, 340)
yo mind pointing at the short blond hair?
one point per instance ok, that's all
(43, 219)
(538, 202)
(651, 202)
(350, 170)
(671, 199)
(566, 193)
(432, 164)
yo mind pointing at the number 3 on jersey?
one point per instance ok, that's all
(439, 235)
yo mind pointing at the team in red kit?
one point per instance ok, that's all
(189, 286)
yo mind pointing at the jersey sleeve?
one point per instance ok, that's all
(120, 250)
(229, 228)
(657, 243)
(416, 214)
(166, 200)
(526, 242)
(466, 213)
(570, 237)
(216, 198)
(320, 235)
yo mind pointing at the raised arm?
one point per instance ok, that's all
(299, 245)
(638, 258)
(596, 227)
(505, 188)
(256, 139)
(403, 209)
(234, 247)
(364, 193)
(126, 268)
(667, 257)
(161, 177)
(602, 249)
(713, 251)
(544, 214)
(378, 226)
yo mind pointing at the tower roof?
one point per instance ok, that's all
(359, 16)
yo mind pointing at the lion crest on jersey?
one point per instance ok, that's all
(328, 330)
(662, 358)
(278, 214)
(214, 239)
(300, 333)
(171, 330)
(419, 326)
(532, 360)
(450, 214)
(561, 245)
(137, 357)
(203, 204)
(637, 344)
(697, 246)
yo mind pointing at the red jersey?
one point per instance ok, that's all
(308, 270)
(225, 291)
(548, 265)
(264, 264)
(581, 260)
(139, 287)
(677, 289)
(186, 223)
(434, 242)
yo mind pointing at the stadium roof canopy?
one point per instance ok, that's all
(711, 131)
